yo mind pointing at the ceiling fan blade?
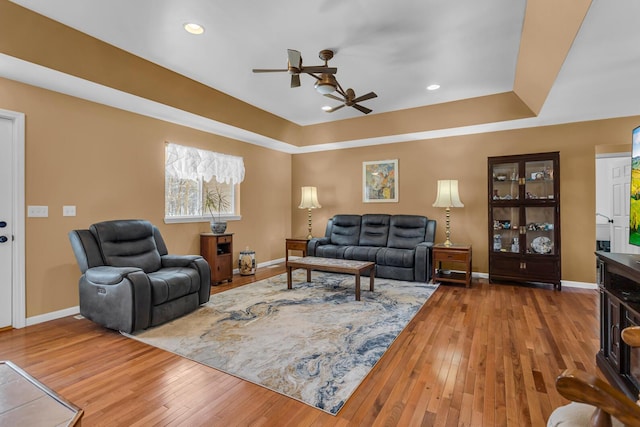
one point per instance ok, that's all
(295, 59)
(295, 80)
(328, 95)
(261, 70)
(320, 69)
(365, 110)
(365, 97)
(335, 108)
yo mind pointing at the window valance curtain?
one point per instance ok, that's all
(191, 163)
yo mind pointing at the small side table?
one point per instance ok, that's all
(296, 244)
(460, 254)
(217, 249)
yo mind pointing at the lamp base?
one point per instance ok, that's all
(447, 230)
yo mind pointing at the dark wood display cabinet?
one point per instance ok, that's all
(524, 218)
(619, 286)
(217, 249)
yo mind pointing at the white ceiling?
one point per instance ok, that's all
(396, 49)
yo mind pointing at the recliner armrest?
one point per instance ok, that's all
(178, 260)
(107, 275)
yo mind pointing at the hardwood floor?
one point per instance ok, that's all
(483, 356)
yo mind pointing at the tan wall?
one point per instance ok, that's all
(110, 164)
(338, 176)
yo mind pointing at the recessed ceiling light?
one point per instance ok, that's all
(326, 108)
(193, 28)
(433, 87)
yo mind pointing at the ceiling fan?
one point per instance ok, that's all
(349, 99)
(295, 68)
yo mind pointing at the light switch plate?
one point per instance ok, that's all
(68, 211)
(38, 211)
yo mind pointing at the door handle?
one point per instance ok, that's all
(3, 239)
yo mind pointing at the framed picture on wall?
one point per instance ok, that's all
(380, 181)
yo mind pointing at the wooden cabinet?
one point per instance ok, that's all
(524, 218)
(619, 286)
(456, 255)
(217, 249)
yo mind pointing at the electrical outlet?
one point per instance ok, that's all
(38, 211)
(68, 211)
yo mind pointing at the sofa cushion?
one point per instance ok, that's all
(406, 231)
(127, 243)
(172, 283)
(374, 230)
(361, 253)
(396, 257)
(345, 230)
(330, 251)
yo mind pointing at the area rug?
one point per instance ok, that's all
(313, 343)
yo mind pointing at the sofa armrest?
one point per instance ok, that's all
(178, 260)
(116, 297)
(107, 275)
(204, 269)
(422, 263)
(314, 243)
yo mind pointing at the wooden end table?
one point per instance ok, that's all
(459, 254)
(296, 244)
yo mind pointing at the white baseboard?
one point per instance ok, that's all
(52, 315)
(564, 283)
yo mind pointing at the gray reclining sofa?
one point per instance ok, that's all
(130, 282)
(400, 245)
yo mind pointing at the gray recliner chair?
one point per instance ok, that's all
(130, 282)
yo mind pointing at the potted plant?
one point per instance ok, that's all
(217, 200)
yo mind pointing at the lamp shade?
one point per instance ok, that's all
(447, 196)
(309, 198)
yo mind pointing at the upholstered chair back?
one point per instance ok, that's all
(374, 230)
(127, 243)
(345, 230)
(406, 231)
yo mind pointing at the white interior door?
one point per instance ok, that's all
(6, 221)
(620, 183)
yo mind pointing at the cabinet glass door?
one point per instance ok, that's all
(505, 181)
(539, 230)
(539, 180)
(506, 234)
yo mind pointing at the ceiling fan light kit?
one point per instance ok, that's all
(326, 83)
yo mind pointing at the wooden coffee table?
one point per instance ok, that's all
(334, 266)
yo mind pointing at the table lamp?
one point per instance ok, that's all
(309, 201)
(448, 197)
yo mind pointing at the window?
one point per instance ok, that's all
(190, 173)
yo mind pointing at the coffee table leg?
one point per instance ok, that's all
(289, 278)
(309, 275)
(371, 276)
(357, 286)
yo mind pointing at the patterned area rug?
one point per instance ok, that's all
(313, 343)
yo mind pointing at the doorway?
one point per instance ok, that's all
(12, 229)
(613, 178)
